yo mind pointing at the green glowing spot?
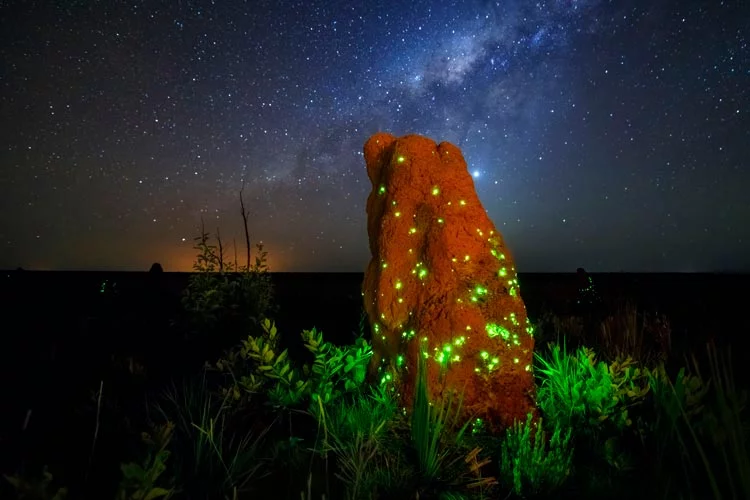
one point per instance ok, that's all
(408, 335)
(466, 257)
(435, 191)
(400, 300)
(480, 290)
(490, 363)
(530, 330)
(527, 368)
(422, 273)
(513, 319)
(401, 159)
(512, 292)
(462, 203)
(494, 330)
(397, 214)
(440, 220)
(398, 285)
(516, 360)
(381, 189)
(502, 272)
(382, 315)
(393, 202)
(412, 230)
(478, 425)
(459, 341)
(384, 265)
(376, 327)
(400, 360)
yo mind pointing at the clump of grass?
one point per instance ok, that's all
(717, 442)
(354, 433)
(531, 463)
(211, 459)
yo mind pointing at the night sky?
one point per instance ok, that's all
(609, 135)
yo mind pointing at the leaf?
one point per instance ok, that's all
(157, 493)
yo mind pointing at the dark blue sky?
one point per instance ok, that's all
(609, 135)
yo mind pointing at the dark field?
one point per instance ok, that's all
(63, 332)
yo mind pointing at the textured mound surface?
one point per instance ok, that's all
(442, 282)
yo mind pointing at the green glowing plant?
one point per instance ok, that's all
(258, 366)
(139, 481)
(530, 462)
(335, 370)
(580, 392)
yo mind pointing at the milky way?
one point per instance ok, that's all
(608, 135)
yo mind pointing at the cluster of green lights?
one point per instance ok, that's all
(513, 319)
(447, 353)
(408, 334)
(495, 330)
(490, 362)
(478, 293)
(420, 271)
(477, 426)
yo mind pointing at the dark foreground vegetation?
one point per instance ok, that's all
(209, 397)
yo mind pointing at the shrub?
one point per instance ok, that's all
(257, 367)
(225, 298)
(530, 462)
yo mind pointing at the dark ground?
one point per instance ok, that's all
(60, 329)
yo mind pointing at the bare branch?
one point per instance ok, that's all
(221, 251)
(244, 220)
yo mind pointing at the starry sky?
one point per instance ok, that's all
(612, 135)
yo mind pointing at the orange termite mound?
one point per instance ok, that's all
(442, 282)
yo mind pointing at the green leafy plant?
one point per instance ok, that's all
(222, 296)
(531, 463)
(258, 366)
(335, 369)
(36, 487)
(580, 392)
(139, 481)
